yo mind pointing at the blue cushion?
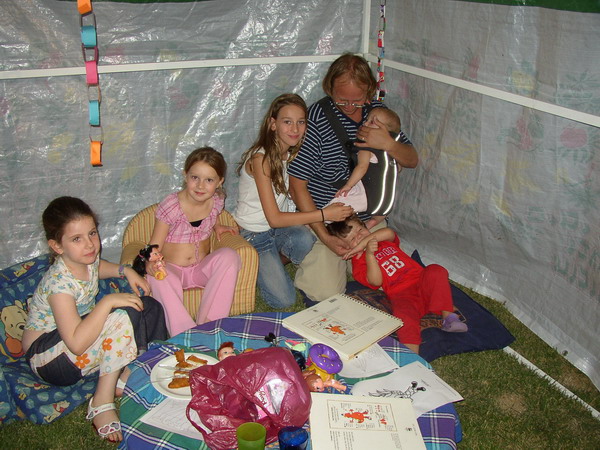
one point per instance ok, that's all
(41, 402)
(486, 332)
(22, 394)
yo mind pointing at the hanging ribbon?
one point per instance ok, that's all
(89, 48)
(380, 93)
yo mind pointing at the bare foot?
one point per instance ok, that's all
(413, 347)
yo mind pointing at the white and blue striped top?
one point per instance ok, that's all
(321, 159)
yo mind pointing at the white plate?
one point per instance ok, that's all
(160, 377)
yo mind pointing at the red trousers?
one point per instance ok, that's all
(430, 294)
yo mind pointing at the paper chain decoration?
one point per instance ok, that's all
(89, 47)
(380, 93)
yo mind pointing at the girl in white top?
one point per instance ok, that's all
(265, 211)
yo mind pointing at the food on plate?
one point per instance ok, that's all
(194, 359)
(179, 382)
(181, 375)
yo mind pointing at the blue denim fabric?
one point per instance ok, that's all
(274, 283)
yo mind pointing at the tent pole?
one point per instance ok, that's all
(366, 28)
(166, 65)
(528, 102)
(539, 372)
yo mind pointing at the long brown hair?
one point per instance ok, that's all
(267, 140)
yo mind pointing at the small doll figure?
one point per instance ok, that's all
(150, 261)
(323, 363)
(317, 384)
(225, 350)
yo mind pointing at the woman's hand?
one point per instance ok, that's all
(337, 212)
(374, 137)
(335, 244)
(404, 154)
(369, 244)
(221, 229)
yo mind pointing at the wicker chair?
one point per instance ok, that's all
(139, 231)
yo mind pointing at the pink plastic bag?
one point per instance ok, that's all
(264, 386)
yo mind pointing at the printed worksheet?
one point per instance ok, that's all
(345, 422)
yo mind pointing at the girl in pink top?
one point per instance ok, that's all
(184, 223)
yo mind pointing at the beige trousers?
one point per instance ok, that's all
(322, 273)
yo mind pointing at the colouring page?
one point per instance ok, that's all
(414, 381)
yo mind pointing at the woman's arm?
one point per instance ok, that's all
(77, 334)
(261, 172)
(304, 201)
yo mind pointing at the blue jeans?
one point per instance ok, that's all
(274, 283)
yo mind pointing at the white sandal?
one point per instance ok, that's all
(105, 430)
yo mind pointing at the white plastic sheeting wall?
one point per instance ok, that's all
(505, 196)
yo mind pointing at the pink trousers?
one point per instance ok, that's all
(217, 273)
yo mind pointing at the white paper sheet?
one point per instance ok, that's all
(371, 361)
(170, 415)
(344, 422)
(415, 381)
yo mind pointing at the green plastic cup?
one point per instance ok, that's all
(251, 436)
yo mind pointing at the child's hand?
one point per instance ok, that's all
(220, 229)
(370, 223)
(138, 284)
(374, 221)
(371, 247)
(337, 212)
(343, 192)
(123, 300)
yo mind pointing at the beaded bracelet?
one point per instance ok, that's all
(122, 270)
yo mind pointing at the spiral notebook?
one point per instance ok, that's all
(345, 324)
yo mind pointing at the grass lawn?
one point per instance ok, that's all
(506, 405)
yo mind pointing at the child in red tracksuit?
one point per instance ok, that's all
(413, 290)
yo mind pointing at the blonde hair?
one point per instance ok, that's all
(392, 121)
(354, 67)
(267, 140)
(211, 157)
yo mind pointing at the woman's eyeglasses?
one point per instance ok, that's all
(346, 104)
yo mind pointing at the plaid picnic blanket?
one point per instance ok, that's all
(440, 428)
